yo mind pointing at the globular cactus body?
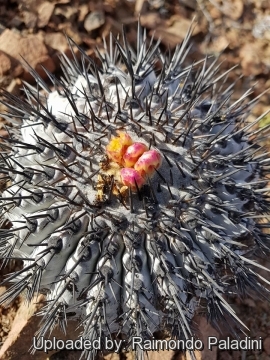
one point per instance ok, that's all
(135, 195)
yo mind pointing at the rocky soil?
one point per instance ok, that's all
(34, 32)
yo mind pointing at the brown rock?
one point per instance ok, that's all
(69, 12)
(174, 31)
(45, 11)
(112, 356)
(14, 345)
(71, 31)
(250, 302)
(94, 20)
(218, 45)
(266, 345)
(17, 46)
(14, 86)
(224, 355)
(83, 11)
(29, 18)
(30, 48)
(139, 6)
(23, 329)
(5, 64)
(158, 355)
(233, 9)
(205, 330)
(57, 41)
(236, 355)
(251, 56)
(150, 20)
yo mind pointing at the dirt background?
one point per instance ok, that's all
(34, 30)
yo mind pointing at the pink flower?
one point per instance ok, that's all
(118, 146)
(133, 153)
(131, 177)
(148, 162)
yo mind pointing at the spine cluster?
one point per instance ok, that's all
(135, 194)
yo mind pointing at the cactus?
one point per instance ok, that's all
(135, 195)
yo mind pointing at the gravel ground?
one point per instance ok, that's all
(34, 30)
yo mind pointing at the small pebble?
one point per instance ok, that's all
(94, 20)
